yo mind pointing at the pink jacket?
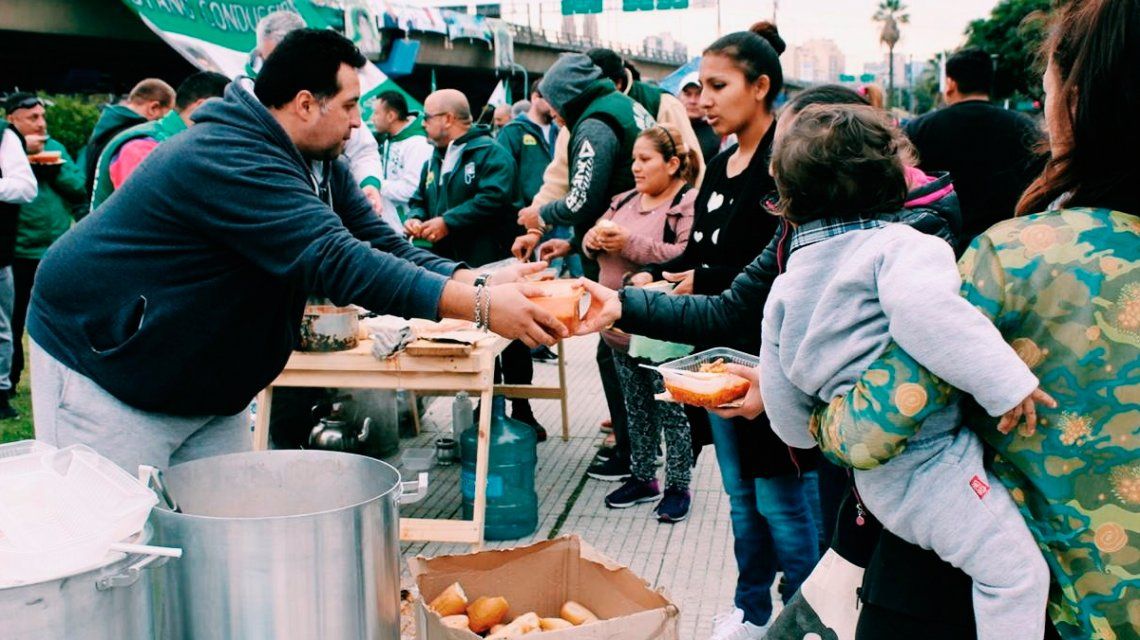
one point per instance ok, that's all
(646, 244)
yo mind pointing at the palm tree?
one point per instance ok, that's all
(891, 13)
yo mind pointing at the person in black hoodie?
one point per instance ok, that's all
(155, 320)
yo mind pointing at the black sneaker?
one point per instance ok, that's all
(543, 354)
(528, 417)
(633, 492)
(605, 453)
(609, 470)
(7, 412)
(674, 506)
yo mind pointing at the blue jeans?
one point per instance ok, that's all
(773, 525)
(7, 340)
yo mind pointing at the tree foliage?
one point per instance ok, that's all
(71, 118)
(1014, 31)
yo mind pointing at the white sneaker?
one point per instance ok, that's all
(731, 626)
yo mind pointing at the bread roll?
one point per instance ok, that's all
(526, 623)
(577, 614)
(554, 624)
(456, 622)
(451, 602)
(707, 390)
(485, 613)
(495, 629)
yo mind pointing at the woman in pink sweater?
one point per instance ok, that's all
(649, 225)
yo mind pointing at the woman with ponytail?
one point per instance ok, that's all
(647, 224)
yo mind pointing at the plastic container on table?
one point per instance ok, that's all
(687, 384)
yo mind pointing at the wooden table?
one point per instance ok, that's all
(443, 375)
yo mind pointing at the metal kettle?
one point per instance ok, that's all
(334, 432)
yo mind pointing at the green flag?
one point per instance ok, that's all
(219, 36)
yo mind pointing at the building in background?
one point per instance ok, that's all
(879, 69)
(665, 43)
(816, 61)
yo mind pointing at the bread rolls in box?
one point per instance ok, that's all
(485, 613)
(451, 602)
(576, 614)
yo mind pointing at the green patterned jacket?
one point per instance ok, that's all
(1063, 287)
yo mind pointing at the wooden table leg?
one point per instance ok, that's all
(482, 461)
(562, 386)
(261, 422)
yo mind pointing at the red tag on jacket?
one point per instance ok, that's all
(979, 486)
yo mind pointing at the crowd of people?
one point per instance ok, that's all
(940, 438)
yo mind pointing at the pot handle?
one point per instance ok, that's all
(131, 574)
(412, 492)
(152, 477)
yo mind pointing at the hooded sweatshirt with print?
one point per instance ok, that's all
(184, 292)
(603, 126)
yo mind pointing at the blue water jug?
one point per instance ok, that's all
(512, 504)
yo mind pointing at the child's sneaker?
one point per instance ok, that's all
(633, 492)
(674, 507)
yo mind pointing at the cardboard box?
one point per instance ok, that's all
(540, 578)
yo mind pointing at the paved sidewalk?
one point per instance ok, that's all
(692, 560)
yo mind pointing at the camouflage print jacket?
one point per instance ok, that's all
(1063, 287)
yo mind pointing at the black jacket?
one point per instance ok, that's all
(734, 316)
(991, 152)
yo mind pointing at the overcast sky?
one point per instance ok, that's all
(935, 25)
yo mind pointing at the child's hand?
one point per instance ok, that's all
(1028, 408)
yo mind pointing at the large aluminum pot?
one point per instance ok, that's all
(281, 545)
(111, 601)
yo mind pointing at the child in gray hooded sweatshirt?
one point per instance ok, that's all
(853, 285)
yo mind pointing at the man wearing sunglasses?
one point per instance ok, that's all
(43, 220)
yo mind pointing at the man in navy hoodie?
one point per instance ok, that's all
(157, 319)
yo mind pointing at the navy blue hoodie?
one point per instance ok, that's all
(184, 291)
